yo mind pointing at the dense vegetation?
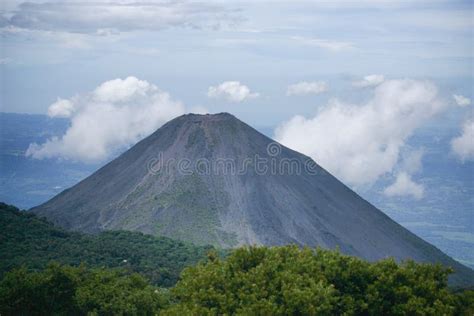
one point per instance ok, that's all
(26, 240)
(65, 290)
(249, 281)
(293, 281)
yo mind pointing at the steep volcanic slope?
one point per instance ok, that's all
(212, 179)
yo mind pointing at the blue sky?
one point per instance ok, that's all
(304, 68)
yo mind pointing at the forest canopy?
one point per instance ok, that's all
(47, 270)
(293, 281)
(250, 281)
(30, 241)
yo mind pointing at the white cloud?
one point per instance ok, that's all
(463, 145)
(331, 45)
(360, 143)
(116, 114)
(61, 108)
(369, 81)
(461, 100)
(304, 87)
(405, 186)
(124, 16)
(232, 91)
(119, 90)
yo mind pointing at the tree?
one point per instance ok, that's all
(249, 281)
(66, 290)
(293, 281)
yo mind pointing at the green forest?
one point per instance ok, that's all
(32, 242)
(48, 271)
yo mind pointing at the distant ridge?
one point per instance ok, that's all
(202, 178)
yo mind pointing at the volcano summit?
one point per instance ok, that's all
(212, 179)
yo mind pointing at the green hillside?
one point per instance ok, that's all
(26, 240)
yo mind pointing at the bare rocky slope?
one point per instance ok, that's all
(212, 179)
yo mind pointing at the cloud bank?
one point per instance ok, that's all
(463, 145)
(96, 16)
(232, 91)
(360, 143)
(304, 87)
(116, 114)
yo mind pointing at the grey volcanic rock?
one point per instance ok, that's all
(212, 179)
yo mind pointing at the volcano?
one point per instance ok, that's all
(212, 179)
